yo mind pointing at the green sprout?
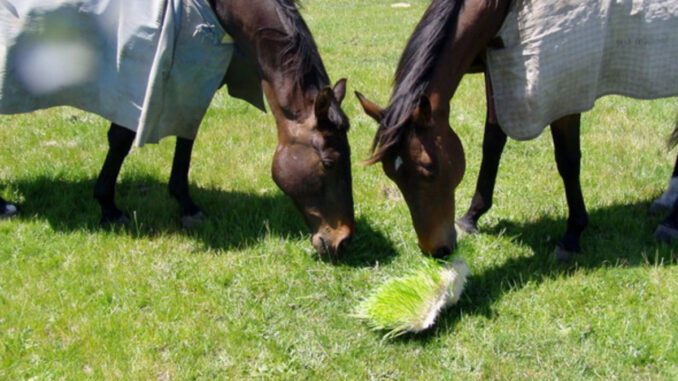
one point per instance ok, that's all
(412, 303)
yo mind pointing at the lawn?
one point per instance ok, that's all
(243, 296)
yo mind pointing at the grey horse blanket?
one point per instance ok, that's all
(560, 56)
(152, 66)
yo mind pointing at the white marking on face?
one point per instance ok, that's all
(398, 163)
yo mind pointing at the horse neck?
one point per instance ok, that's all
(292, 110)
(290, 98)
(259, 31)
(477, 24)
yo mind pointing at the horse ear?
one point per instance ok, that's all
(423, 113)
(371, 108)
(323, 102)
(340, 90)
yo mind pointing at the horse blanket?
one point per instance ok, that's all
(560, 56)
(152, 66)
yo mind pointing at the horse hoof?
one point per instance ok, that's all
(666, 234)
(118, 220)
(466, 226)
(8, 211)
(658, 208)
(563, 256)
(190, 222)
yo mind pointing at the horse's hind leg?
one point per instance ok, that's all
(565, 133)
(494, 141)
(178, 184)
(120, 141)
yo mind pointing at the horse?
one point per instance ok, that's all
(420, 152)
(276, 56)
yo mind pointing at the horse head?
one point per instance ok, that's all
(312, 162)
(312, 165)
(425, 159)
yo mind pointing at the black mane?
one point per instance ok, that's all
(414, 73)
(300, 57)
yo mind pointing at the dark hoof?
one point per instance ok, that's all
(190, 222)
(120, 219)
(466, 226)
(666, 234)
(658, 208)
(563, 256)
(9, 210)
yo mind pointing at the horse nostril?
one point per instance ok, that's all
(442, 252)
(323, 245)
(320, 244)
(343, 245)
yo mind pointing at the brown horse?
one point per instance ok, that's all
(424, 157)
(275, 49)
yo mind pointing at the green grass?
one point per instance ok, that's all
(243, 297)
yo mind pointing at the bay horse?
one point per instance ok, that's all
(424, 156)
(311, 163)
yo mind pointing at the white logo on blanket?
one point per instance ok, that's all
(37, 71)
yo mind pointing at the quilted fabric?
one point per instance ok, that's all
(560, 56)
(152, 66)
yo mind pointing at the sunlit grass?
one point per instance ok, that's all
(242, 296)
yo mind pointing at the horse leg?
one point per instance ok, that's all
(667, 231)
(565, 133)
(120, 141)
(494, 141)
(191, 214)
(668, 198)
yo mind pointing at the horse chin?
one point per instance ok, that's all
(439, 244)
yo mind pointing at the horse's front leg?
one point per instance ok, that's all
(566, 140)
(178, 184)
(120, 141)
(494, 141)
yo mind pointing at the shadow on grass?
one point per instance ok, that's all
(234, 219)
(618, 236)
